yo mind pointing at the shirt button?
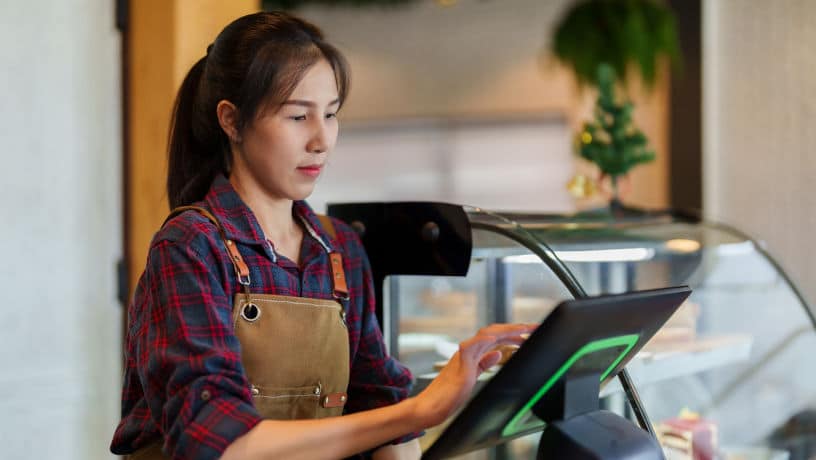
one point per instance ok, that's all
(205, 395)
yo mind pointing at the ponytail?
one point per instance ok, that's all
(194, 148)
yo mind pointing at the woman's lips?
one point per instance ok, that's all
(311, 171)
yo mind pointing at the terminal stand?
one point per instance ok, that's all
(578, 430)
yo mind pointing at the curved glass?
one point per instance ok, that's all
(736, 354)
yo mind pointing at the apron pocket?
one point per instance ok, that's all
(288, 403)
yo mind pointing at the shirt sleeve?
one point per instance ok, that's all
(188, 357)
(376, 379)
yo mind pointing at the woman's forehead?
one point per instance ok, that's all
(318, 85)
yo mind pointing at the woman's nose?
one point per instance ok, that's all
(319, 142)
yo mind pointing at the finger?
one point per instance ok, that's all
(499, 334)
(515, 326)
(507, 351)
(489, 360)
(476, 346)
(512, 340)
(504, 330)
(485, 345)
(509, 339)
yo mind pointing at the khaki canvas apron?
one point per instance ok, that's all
(294, 350)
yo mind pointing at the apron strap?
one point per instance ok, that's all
(338, 274)
(241, 268)
(328, 225)
(340, 288)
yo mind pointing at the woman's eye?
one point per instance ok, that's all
(298, 117)
(331, 115)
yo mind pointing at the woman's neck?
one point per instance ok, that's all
(275, 217)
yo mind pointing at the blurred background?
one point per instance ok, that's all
(458, 101)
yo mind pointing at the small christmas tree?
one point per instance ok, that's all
(611, 141)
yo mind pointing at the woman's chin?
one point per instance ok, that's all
(302, 193)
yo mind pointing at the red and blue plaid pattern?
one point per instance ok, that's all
(184, 383)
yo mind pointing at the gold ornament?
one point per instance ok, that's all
(581, 186)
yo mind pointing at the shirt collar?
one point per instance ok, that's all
(302, 208)
(238, 220)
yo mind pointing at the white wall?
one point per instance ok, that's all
(759, 118)
(509, 164)
(60, 194)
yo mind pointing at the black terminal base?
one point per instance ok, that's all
(578, 430)
(597, 435)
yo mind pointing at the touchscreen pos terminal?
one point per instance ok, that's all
(552, 382)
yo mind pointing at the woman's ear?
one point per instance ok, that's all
(228, 119)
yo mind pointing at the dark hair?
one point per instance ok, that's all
(255, 63)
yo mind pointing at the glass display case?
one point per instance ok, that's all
(729, 376)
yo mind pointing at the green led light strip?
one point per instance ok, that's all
(629, 340)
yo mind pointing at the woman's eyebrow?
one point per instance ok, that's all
(309, 104)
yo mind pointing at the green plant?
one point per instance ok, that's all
(619, 33)
(612, 141)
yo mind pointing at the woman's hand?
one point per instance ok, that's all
(456, 380)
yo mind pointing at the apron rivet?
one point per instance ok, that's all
(205, 395)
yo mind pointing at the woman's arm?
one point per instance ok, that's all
(185, 353)
(339, 437)
(328, 438)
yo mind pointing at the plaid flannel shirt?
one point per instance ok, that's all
(184, 384)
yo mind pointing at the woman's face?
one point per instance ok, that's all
(282, 153)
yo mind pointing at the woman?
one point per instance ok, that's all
(252, 328)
